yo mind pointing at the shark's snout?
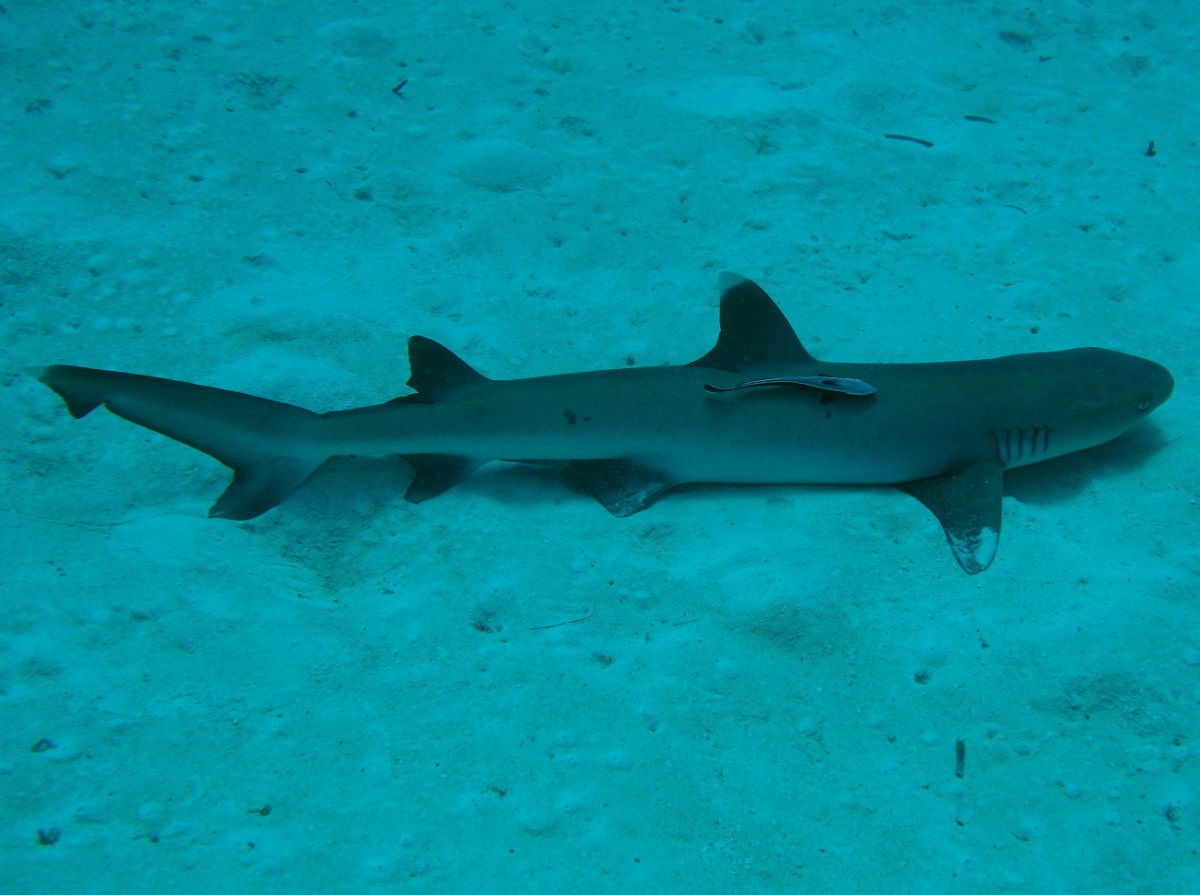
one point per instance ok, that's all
(1160, 384)
(1128, 385)
(1146, 384)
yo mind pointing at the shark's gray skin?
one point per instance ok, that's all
(757, 408)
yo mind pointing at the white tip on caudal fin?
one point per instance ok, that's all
(246, 433)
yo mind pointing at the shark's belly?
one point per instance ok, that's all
(816, 458)
(791, 436)
(801, 467)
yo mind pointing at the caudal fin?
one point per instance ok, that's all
(257, 438)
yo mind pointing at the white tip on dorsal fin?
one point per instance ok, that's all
(727, 279)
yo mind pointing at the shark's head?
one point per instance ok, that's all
(1098, 394)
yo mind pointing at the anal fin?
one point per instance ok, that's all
(624, 487)
(967, 502)
(435, 474)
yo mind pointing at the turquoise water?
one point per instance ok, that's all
(506, 689)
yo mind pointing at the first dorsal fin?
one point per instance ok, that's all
(437, 372)
(754, 332)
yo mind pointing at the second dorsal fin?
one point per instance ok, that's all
(437, 372)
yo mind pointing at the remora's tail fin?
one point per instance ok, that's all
(248, 434)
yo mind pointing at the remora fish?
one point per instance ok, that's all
(757, 408)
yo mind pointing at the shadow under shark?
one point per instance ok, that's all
(757, 408)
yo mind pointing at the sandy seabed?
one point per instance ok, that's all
(740, 690)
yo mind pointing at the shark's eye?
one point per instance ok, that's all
(1143, 405)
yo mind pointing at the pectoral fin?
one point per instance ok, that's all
(967, 502)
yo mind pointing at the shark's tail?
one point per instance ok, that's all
(255, 437)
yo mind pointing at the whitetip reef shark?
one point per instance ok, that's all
(757, 408)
